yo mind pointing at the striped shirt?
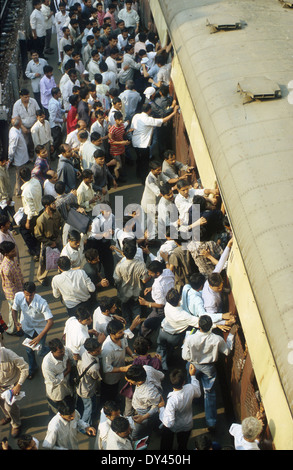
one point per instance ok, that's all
(12, 278)
(116, 134)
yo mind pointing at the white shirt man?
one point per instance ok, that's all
(33, 317)
(213, 300)
(177, 414)
(41, 133)
(112, 356)
(56, 383)
(131, 99)
(62, 434)
(67, 92)
(74, 286)
(75, 335)
(162, 285)
(32, 198)
(34, 68)
(76, 256)
(26, 113)
(130, 17)
(143, 126)
(17, 148)
(177, 320)
(183, 204)
(93, 68)
(37, 23)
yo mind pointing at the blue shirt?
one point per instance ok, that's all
(192, 303)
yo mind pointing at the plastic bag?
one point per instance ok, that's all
(52, 257)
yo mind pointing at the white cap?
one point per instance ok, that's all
(148, 92)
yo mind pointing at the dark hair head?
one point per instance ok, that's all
(106, 303)
(40, 112)
(70, 64)
(129, 248)
(173, 297)
(196, 280)
(67, 406)
(24, 441)
(156, 267)
(74, 235)
(120, 424)
(146, 107)
(182, 183)
(82, 314)
(47, 200)
(154, 164)
(136, 373)
(205, 323)
(4, 219)
(29, 287)
(64, 263)
(201, 200)
(99, 153)
(95, 136)
(55, 344)
(87, 173)
(47, 69)
(118, 115)
(25, 173)
(73, 100)
(39, 148)
(92, 344)
(83, 93)
(111, 406)
(177, 378)
(114, 326)
(165, 188)
(60, 187)
(91, 254)
(24, 92)
(215, 279)
(55, 90)
(141, 345)
(6, 247)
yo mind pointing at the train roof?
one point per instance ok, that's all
(235, 78)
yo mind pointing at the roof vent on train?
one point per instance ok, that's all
(258, 89)
(286, 3)
(223, 24)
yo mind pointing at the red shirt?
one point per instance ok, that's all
(116, 134)
(71, 119)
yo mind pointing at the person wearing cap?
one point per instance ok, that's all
(149, 93)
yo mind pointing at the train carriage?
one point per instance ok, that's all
(233, 77)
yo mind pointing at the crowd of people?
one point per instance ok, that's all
(70, 143)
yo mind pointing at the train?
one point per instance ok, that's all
(232, 74)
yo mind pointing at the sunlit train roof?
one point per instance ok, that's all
(250, 143)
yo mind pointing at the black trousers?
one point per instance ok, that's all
(28, 235)
(57, 139)
(142, 163)
(168, 438)
(39, 45)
